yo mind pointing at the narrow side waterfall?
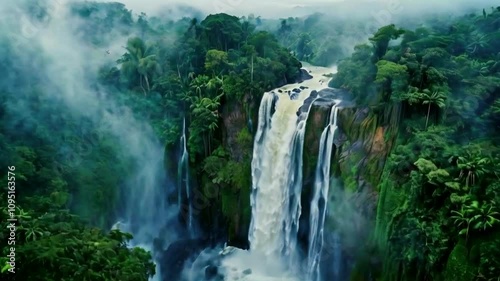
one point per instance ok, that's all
(320, 196)
(295, 183)
(183, 187)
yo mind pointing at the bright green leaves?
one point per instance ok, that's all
(450, 77)
(473, 166)
(382, 37)
(356, 74)
(475, 216)
(434, 98)
(453, 186)
(57, 246)
(438, 176)
(425, 166)
(139, 63)
(216, 62)
(389, 71)
(5, 265)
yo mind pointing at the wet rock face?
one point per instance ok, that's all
(304, 75)
(173, 259)
(211, 272)
(235, 119)
(325, 99)
(369, 139)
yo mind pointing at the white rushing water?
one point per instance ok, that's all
(278, 145)
(276, 185)
(320, 196)
(183, 184)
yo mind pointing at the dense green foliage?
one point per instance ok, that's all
(438, 212)
(216, 71)
(69, 171)
(325, 38)
(313, 39)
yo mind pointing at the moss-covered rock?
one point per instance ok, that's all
(458, 267)
(370, 138)
(235, 199)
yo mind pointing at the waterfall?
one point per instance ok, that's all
(277, 180)
(320, 197)
(295, 183)
(277, 175)
(183, 181)
(273, 155)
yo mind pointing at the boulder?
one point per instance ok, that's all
(172, 260)
(211, 272)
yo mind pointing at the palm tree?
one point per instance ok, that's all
(413, 96)
(437, 98)
(206, 109)
(216, 83)
(31, 231)
(139, 61)
(472, 166)
(480, 217)
(199, 83)
(478, 40)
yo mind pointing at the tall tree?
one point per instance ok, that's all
(382, 37)
(139, 61)
(437, 98)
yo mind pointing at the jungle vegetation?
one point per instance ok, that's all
(438, 211)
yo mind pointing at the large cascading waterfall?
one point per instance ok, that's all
(277, 181)
(277, 169)
(183, 187)
(272, 158)
(320, 196)
(285, 144)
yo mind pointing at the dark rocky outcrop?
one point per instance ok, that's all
(173, 259)
(211, 272)
(303, 76)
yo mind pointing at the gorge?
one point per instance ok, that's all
(193, 146)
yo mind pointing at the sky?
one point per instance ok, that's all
(265, 8)
(285, 8)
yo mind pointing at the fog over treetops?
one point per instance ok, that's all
(282, 8)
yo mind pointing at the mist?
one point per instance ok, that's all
(277, 8)
(51, 55)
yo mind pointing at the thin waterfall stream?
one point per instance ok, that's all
(320, 197)
(183, 188)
